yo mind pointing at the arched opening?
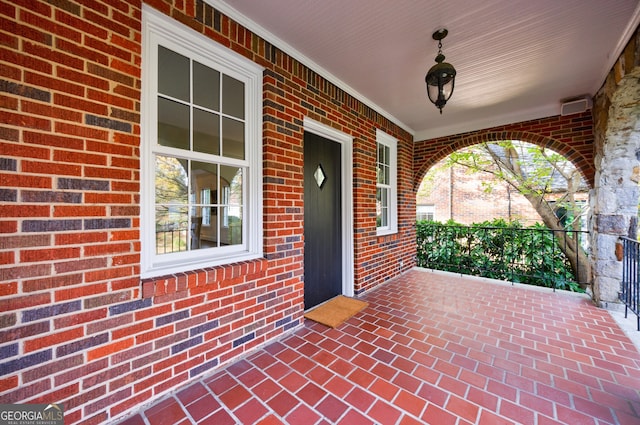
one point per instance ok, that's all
(515, 193)
(574, 142)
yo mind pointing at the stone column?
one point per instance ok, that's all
(614, 198)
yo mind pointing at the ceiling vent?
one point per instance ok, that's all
(575, 106)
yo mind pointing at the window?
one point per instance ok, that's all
(386, 186)
(425, 212)
(201, 151)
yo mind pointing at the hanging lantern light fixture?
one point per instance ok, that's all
(441, 77)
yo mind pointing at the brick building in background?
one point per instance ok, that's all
(453, 193)
(468, 196)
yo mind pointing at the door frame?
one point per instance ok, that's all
(346, 169)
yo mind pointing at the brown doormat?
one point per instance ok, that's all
(336, 311)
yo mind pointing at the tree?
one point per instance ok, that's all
(536, 173)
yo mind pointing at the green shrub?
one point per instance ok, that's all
(496, 249)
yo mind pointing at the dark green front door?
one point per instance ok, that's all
(322, 220)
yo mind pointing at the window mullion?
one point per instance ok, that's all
(220, 116)
(218, 207)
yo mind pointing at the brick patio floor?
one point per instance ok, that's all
(430, 349)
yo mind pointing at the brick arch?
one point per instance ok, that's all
(570, 136)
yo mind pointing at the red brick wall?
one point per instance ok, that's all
(570, 136)
(77, 324)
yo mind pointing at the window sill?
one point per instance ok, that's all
(387, 237)
(204, 280)
(386, 232)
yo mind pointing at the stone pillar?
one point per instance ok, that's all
(614, 198)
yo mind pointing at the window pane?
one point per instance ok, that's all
(386, 170)
(173, 74)
(204, 182)
(383, 174)
(206, 132)
(387, 164)
(382, 207)
(232, 234)
(173, 124)
(210, 235)
(383, 197)
(381, 153)
(232, 97)
(204, 176)
(206, 87)
(232, 138)
(232, 195)
(384, 157)
(171, 229)
(231, 177)
(171, 181)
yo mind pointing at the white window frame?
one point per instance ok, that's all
(159, 29)
(392, 143)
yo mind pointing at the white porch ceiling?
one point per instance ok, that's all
(516, 59)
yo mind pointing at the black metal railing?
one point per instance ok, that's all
(533, 256)
(171, 238)
(630, 291)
